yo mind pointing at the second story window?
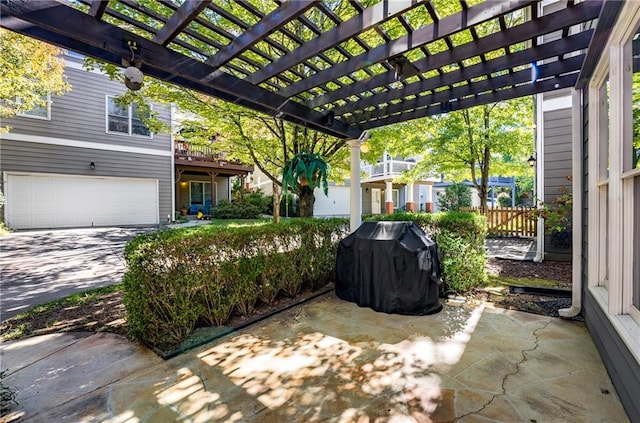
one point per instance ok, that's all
(39, 111)
(126, 120)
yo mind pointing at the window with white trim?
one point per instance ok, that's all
(631, 178)
(39, 111)
(126, 120)
(603, 183)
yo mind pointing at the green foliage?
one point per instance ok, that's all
(504, 199)
(524, 189)
(470, 144)
(461, 241)
(455, 196)
(30, 71)
(7, 395)
(558, 215)
(306, 169)
(177, 278)
(243, 205)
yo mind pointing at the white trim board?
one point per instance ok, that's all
(84, 144)
(557, 103)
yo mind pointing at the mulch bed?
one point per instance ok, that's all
(538, 304)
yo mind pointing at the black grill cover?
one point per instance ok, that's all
(390, 267)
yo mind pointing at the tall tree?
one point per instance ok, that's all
(252, 137)
(471, 144)
(31, 70)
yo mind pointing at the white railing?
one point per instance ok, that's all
(387, 168)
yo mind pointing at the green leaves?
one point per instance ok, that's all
(180, 277)
(306, 169)
(30, 71)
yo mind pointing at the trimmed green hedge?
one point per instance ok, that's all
(178, 278)
(461, 240)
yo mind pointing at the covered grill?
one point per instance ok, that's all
(391, 267)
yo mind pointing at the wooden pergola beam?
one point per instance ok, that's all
(272, 22)
(370, 17)
(97, 8)
(422, 36)
(48, 20)
(545, 24)
(552, 69)
(548, 50)
(479, 100)
(186, 13)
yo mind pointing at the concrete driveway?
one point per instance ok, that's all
(41, 266)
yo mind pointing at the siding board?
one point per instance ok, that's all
(81, 114)
(623, 369)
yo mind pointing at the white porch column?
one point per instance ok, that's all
(429, 199)
(411, 205)
(355, 190)
(388, 197)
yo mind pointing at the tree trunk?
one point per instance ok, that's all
(306, 200)
(276, 202)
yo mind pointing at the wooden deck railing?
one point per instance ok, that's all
(183, 150)
(509, 221)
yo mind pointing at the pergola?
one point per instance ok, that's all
(338, 66)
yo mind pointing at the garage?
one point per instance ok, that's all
(36, 201)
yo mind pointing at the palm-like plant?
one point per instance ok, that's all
(303, 173)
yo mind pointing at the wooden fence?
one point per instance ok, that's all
(509, 221)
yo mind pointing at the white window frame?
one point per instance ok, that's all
(616, 299)
(28, 114)
(129, 120)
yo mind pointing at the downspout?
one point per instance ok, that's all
(172, 216)
(576, 171)
(539, 175)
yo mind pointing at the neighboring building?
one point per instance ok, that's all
(606, 191)
(378, 179)
(203, 176)
(84, 161)
(381, 194)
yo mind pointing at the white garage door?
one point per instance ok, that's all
(62, 201)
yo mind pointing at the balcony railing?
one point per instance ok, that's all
(197, 152)
(387, 168)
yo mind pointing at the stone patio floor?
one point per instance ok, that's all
(327, 361)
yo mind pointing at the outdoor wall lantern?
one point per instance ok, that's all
(92, 166)
(531, 160)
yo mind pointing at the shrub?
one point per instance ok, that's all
(504, 199)
(461, 241)
(177, 278)
(455, 196)
(244, 205)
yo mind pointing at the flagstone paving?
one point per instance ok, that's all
(328, 361)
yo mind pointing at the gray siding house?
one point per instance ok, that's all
(85, 162)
